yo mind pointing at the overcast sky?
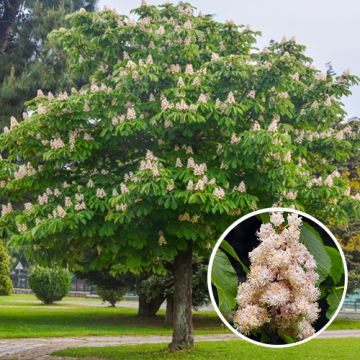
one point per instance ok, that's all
(329, 28)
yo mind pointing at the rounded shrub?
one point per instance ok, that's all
(112, 295)
(5, 281)
(49, 284)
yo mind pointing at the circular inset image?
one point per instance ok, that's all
(277, 277)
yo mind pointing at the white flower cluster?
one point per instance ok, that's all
(29, 207)
(273, 125)
(219, 192)
(280, 290)
(121, 207)
(309, 135)
(72, 138)
(186, 217)
(6, 209)
(215, 56)
(251, 94)
(328, 181)
(175, 68)
(100, 193)
(24, 170)
(222, 106)
(80, 206)
(150, 163)
(43, 199)
(124, 189)
(162, 240)
(13, 122)
(22, 228)
(57, 143)
(291, 195)
(241, 188)
(59, 212)
(165, 104)
(201, 183)
(183, 106)
(198, 169)
(234, 139)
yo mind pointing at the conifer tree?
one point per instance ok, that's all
(27, 60)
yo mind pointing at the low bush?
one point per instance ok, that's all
(5, 281)
(111, 295)
(49, 284)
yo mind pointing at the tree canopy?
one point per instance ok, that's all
(182, 128)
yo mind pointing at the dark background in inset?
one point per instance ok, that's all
(243, 239)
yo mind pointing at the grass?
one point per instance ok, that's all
(20, 321)
(319, 349)
(343, 324)
(67, 320)
(31, 300)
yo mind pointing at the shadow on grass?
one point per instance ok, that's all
(82, 321)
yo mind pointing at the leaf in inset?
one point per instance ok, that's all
(333, 300)
(264, 217)
(224, 278)
(313, 242)
(337, 267)
(230, 250)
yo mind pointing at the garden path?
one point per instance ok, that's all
(40, 348)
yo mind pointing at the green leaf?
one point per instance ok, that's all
(134, 261)
(230, 250)
(264, 217)
(333, 300)
(288, 339)
(313, 242)
(337, 267)
(265, 338)
(224, 278)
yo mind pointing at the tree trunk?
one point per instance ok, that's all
(10, 10)
(169, 314)
(149, 308)
(183, 336)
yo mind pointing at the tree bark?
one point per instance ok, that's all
(182, 336)
(10, 10)
(169, 314)
(149, 308)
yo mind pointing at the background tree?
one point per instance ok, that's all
(182, 127)
(349, 234)
(152, 289)
(110, 294)
(27, 60)
(5, 280)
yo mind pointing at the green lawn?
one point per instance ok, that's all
(20, 320)
(36, 320)
(321, 349)
(31, 300)
(340, 324)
